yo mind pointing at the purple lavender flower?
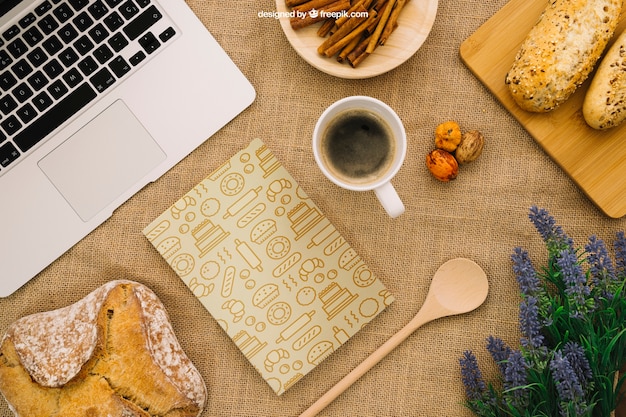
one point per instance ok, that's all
(553, 235)
(600, 267)
(576, 287)
(567, 384)
(515, 378)
(620, 252)
(472, 377)
(525, 272)
(499, 351)
(599, 260)
(529, 324)
(575, 355)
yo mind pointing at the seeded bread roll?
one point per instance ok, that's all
(113, 353)
(560, 51)
(605, 103)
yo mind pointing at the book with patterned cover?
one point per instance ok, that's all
(268, 265)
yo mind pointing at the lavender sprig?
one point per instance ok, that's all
(530, 326)
(532, 314)
(472, 376)
(553, 235)
(568, 386)
(600, 267)
(525, 273)
(620, 252)
(515, 379)
(575, 281)
(499, 351)
(575, 355)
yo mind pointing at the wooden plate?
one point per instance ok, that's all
(595, 160)
(414, 25)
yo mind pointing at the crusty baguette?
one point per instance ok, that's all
(560, 51)
(605, 102)
(113, 353)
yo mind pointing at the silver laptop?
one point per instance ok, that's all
(97, 99)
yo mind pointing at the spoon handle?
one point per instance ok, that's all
(366, 365)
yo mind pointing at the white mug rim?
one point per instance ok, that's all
(396, 125)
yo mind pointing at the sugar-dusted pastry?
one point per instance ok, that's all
(113, 353)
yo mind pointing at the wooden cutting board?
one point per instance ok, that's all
(596, 161)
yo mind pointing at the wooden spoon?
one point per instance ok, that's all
(459, 286)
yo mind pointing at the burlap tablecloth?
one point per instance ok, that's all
(482, 215)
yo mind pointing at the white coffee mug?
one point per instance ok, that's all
(346, 115)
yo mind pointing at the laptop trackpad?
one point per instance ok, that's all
(102, 161)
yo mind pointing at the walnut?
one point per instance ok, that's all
(442, 165)
(448, 136)
(470, 148)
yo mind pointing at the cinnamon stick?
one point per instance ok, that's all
(359, 53)
(356, 33)
(348, 48)
(325, 28)
(381, 25)
(392, 23)
(356, 61)
(372, 27)
(345, 29)
(291, 3)
(361, 3)
(379, 5)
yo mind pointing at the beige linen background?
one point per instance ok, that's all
(482, 215)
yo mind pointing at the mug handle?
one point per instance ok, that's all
(390, 199)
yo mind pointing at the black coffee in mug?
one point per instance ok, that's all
(358, 146)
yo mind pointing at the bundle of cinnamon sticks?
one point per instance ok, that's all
(353, 28)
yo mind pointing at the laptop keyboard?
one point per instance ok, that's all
(58, 58)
